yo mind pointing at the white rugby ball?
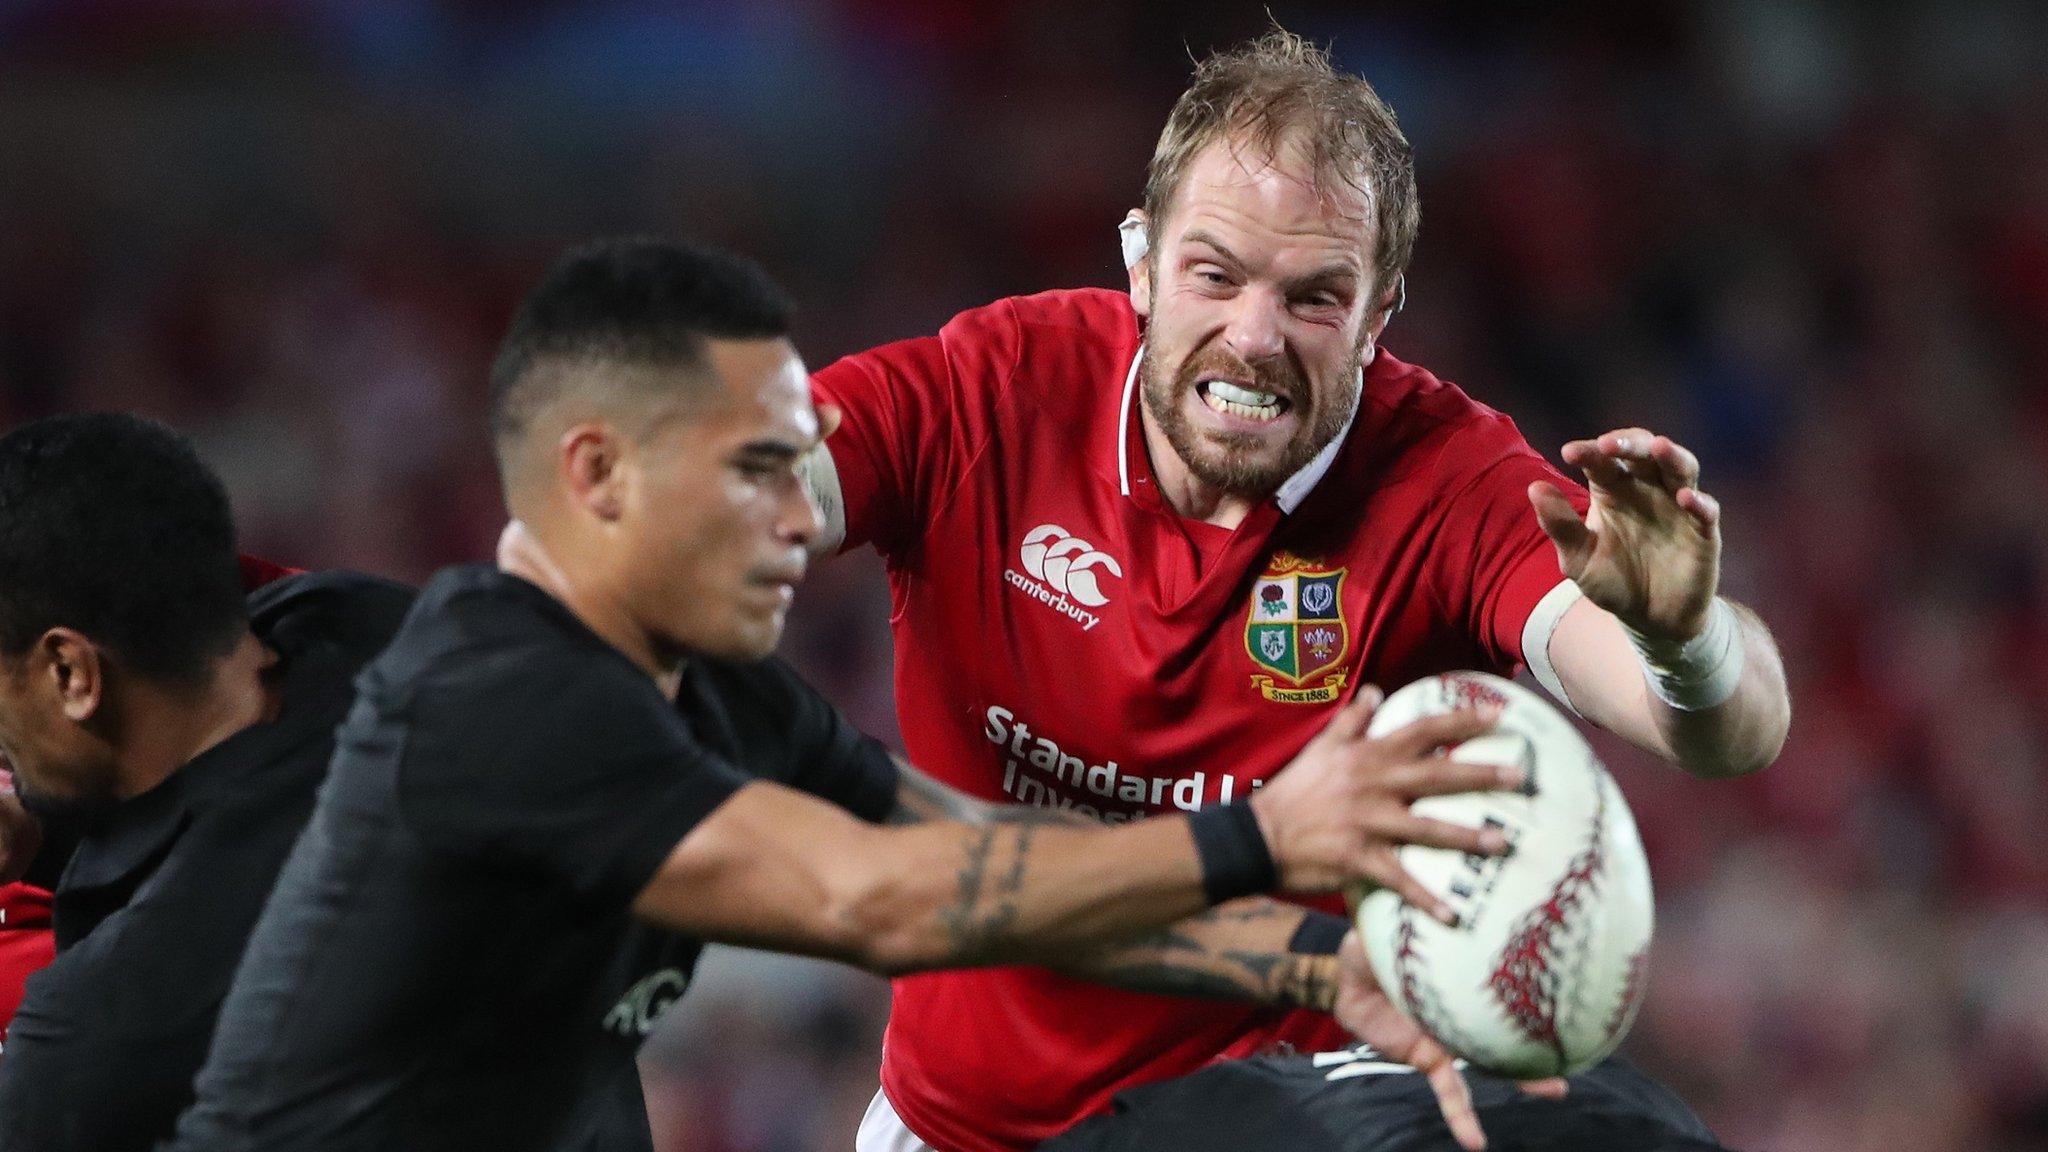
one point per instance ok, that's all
(1544, 972)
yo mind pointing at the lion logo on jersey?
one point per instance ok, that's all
(1296, 631)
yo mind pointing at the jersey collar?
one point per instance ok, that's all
(1292, 491)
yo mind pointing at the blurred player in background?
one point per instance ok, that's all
(182, 726)
(1141, 544)
(568, 770)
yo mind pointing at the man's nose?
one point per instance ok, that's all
(1254, 329)
(800, 520)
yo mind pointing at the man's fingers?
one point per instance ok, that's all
(1577, 452)
(1380, 866)
(1453, 1096)
(1442, 776)
(1441, 730)
(1599, 459)
(1704, 509)
(1354, 718)
(1379, 1023)
(1615, 458)
(1407, 828)
(1349, 722)
(829, 416)
(1627, 443)
(1680, 468)
(1561, 522)
(1553, 1088)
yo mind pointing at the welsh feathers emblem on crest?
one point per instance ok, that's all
(1296, 631)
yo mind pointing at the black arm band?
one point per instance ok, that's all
(1235, 859)
(1319, 935)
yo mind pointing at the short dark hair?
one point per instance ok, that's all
(112, 525)
(633, 302)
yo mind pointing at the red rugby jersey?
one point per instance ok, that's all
(1063, 637)
(26, 944)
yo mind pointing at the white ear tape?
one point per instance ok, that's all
(1132, 235)
(1400, 298)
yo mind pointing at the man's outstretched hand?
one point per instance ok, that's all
(1649, 547)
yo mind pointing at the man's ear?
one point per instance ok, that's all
(1137, 260)
(71, 667)
(1391, 302)
(591, 458)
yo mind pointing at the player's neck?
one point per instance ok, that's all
(1183, 491)
(167, 728)
(521, 553)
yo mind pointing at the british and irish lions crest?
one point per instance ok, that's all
(1296, 631)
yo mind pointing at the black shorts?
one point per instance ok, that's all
(1353, 1101)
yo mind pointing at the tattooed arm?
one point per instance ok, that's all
(1258, 949)
(772, 867)
(775, 868)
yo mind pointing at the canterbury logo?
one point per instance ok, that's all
(1067, 564)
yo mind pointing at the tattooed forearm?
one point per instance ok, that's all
(1238, 951)
(1283, 981)
(980, 921)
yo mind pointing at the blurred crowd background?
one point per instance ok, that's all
(1808, 239)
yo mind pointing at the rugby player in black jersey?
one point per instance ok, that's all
(180, 727)
(568, 769)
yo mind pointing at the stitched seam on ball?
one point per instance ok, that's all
(1418, 995)
(1631, 991)
(1525, 981)
(1466, 692)
(1414, 994)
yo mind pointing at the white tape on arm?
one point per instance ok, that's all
(1536, 634)
(1701, 673)
(820, 477)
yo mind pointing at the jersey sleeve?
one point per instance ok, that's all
(584, 778)
(916, 415)
(1495, 564)
(807, 743)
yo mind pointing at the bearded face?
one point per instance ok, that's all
(1244, 428)
(1259, 311)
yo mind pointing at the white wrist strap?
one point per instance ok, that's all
(1702, 672)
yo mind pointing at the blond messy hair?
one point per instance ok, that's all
(1281, 89)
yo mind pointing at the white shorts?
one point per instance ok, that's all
(881, 1130)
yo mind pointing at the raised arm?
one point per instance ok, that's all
(775, 868)
(1652, 652)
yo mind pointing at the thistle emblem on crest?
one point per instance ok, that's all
(1296, 632)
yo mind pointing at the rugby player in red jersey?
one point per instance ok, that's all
(1141, 544)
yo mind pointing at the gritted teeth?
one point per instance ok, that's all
(1262, 413)
(1237, 400)
(1239, 394)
